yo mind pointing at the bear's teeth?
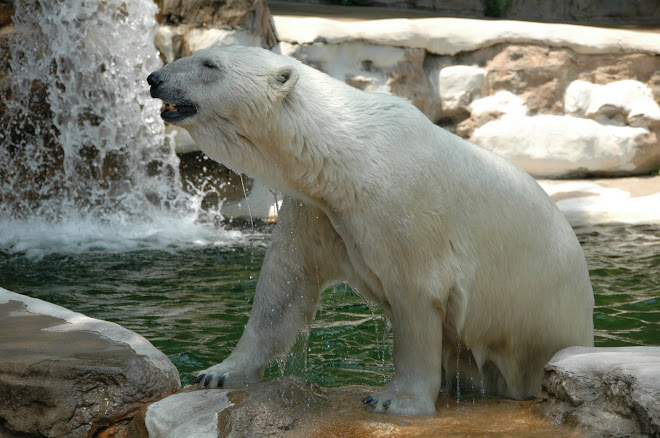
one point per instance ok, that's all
(172, 107)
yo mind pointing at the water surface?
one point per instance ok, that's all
(192, 300)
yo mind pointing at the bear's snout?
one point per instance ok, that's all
(154, 80)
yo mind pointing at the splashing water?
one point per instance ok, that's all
(84, 159)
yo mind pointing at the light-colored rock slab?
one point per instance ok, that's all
(607, 201)
(187, 414)
(366, 66)
(63, 374)
(460, 84)
(613, 391)
(626, 101)
(502, 102)
(557, 146)
(449, 36)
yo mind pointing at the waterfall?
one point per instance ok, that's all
(83, 151)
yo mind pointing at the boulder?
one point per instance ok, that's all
(628, 102)
(246, 22)
(458, 85)
(371, 68)
(560, 146)
(612, 391)
(63, 374)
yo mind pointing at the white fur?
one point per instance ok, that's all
(473, 261)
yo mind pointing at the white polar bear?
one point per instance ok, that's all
(471, 259)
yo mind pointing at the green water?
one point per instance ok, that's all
(193, 302)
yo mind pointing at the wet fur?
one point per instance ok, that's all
(476, 266)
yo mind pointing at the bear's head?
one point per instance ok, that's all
(236, 84)
(231, 99)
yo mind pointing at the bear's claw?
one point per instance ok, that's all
(205, 380)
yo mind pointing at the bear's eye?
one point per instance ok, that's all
(210, 64)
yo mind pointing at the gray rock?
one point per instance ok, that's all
(63, 374)
(611, 391)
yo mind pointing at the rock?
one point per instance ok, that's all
(613, 391)
(190, 25)
(626, 101)
(607, 201)
(450, 36)
(63, 374)
(585, 11)
(501, 103)
(580, 11)
(187, 414)
(260, 203)
(559, 146)
(458, 85)
(371, 68)
(293, 408)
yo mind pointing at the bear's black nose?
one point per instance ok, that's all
(154, 79)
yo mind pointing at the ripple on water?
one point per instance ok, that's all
(193, 301)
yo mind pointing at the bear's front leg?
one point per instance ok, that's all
(304, 256)
(414, 389)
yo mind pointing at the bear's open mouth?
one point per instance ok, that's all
(173, 112)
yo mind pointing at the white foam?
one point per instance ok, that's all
(36, 236)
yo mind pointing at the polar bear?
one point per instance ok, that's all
(477, 268)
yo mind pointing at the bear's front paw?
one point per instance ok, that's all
(397, 403)
(223, 376)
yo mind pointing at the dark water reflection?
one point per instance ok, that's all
(192, 303)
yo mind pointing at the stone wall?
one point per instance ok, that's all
(559, 100)
(610, 12)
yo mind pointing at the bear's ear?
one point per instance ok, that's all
(284, 79)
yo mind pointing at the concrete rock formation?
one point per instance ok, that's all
(63, 374)
(611, 391)
(560, 100)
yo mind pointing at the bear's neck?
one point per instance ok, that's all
(322, 153)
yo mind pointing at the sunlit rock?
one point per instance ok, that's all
(187, 414)
(501, 103)
(252, 16)
(63, 374)
(449, 36)
(634, 200)
(458, 85)
(628, 101)
(613, 391)
(553, 146)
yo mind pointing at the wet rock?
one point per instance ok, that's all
(613, 391)
(293, 408)
(63, 374)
